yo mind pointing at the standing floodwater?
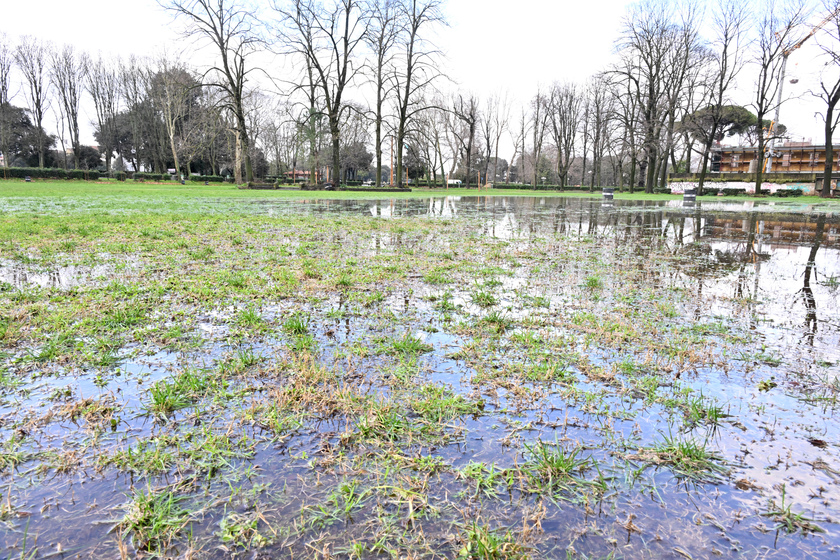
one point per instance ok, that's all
(483, 377)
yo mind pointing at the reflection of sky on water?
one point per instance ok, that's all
(59, 277)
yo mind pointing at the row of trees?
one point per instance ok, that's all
(676, 89)
(672, 94)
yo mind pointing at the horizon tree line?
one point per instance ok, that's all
(676, 89)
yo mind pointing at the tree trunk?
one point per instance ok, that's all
(174, 154)
(336, 147)
(237, 165)
(829, 148)
(378, 125)
(400, 147)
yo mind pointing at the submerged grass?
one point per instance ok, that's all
(336, 385)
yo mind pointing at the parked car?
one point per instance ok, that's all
(367, 184)
(456, 182)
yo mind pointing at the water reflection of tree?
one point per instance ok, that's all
(807, 293)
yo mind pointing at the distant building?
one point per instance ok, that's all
(298, 175)
(793, 157)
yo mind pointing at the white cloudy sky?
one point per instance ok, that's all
(490, 45)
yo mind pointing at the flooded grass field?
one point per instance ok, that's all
(487, 377)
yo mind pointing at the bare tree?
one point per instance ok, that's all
(644, 43)
(586, 111)
(466, 124)
(132, 83)
(32, 58)
(438, 130)
(501, 118)
(103, 84)
(628, 113)
(381, 37)
(830, 88)
(173, 88)
(328, 36)
(517, 136)
(600, 114)
(69, 71)
(417, 66)
(6, 58)
(726, 63)
(539, 118)
(776, 25)
(487, 127)
(564, 116)
(685, 60)
(200, 130)
(230, 26)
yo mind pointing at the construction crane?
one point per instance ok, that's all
(785, 56)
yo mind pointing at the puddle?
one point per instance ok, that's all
(552, 377)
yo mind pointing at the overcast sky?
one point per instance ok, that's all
(490, 45)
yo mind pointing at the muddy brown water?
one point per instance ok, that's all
(769, 272)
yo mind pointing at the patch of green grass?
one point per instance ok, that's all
(483, 299)
(57, 345)
(344, 280)
(239, 361)
(12, 453)
(593, 282)
(444, 302)
(436, 276)
(498, 321)
(437, 404)
(297, 324)
(487, 478)
(339, 505)
(180, 391)
(148, 456)
(687, 457)
(250, 318)
(154, 519)
(202, 253)
(236, 280)
(242, 530)
(482, 543)
(700, 409)
(551, 465)
(406, 345)
(788, 521)
(556, 371)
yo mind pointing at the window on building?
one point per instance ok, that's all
(812, 159)
(786, 159)
(736, 159)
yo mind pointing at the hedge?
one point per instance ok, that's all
(732, 192)
(784, 193)
(143, 176)
(47, 173)
(207, 178)
(581, 188)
